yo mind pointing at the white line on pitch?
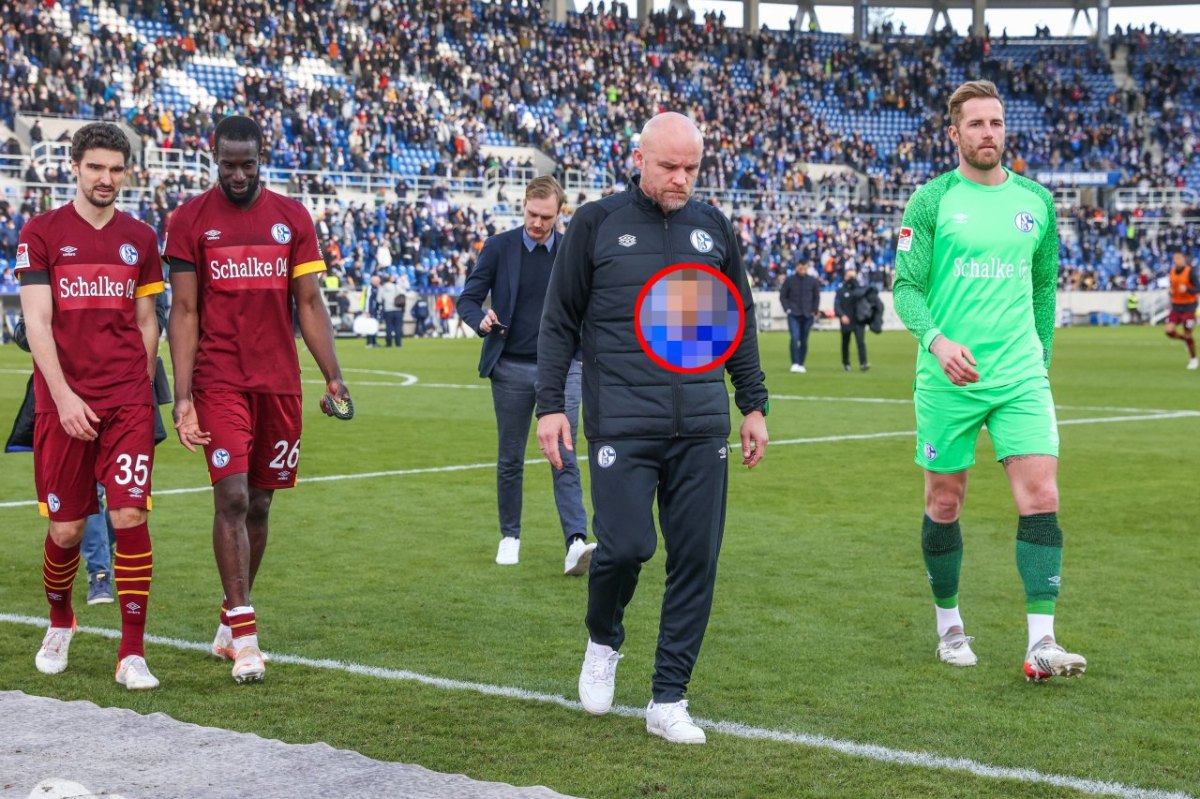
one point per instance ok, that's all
(734, 729)
(534, 461)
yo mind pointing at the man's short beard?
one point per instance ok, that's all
(246, 199)
(977, 163)
(97, 202)
(672, 205)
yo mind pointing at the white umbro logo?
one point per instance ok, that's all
(212, 235)
(722, 453)
(284, 475)
(68, 250)
(627, 240)
(136, 492)
(132, 607)
(961, 218)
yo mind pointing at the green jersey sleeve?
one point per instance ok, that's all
(1045, 277)
(914, 259)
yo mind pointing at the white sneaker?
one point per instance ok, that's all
(955, 649)
(672, 722)
(1194, 364)
(52, 657)
(509, 553)
(134, 674)
(598, 678)
(797, 368)
(579, 557)
(802, 370)
(248, 666)
(1047, 659)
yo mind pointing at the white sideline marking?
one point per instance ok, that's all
(412, 381)
(534, 461)
(732, 728)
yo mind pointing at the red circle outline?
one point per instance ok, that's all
(717, 362)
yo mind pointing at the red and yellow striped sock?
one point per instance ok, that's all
(59, 565)
(244, 627)
(224, 612)
(133, 567)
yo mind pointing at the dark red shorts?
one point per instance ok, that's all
(253, 434)
(1184, 319)
(66, 469)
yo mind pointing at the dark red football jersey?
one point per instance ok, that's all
(94, 277)
(245, 262)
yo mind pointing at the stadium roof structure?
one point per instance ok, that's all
(1084, 8)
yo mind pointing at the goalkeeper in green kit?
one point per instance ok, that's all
(976, 275)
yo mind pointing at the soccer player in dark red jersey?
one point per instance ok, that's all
(88, 275)
(238, 255)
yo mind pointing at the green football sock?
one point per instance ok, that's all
(1039, 560)
(942, 547)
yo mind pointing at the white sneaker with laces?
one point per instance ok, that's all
(51, 658)
(797, 368)
(598, 678)
(579, 557)
(1194, 364)
(672, 722)
(509, 553)
(1047, 659)
(248, 666)
(134, 674)
(955, 649)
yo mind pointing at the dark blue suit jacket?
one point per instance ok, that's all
(498, 271)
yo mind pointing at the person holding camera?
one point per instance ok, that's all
(514, 268)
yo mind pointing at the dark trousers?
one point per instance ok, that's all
(799, 327)
(395, 327)
(689, 477)
(514, 402)
(860, 337)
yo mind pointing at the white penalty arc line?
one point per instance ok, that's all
(534, 461)
(733, 729)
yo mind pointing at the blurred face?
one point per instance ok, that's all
(1179, 260)
(669, 162)
(237, 171)
(99, 176)
(850, 275)
(540, 215)
(979, 133)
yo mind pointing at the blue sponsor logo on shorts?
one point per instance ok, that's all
(220, 458)
(52, 503)
(930, 452)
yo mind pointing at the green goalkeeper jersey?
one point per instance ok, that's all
(979, 265)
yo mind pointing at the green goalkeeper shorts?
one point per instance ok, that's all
(1020, 420)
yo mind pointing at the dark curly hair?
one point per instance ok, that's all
(99, 136)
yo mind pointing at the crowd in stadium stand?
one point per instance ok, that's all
(449, 78)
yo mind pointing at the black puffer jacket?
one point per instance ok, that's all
(612, 248)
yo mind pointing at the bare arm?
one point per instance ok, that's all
(76, 417)
(317, 330)
(147, 322)
(183, 336)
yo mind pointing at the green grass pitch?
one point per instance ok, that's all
(823, 622)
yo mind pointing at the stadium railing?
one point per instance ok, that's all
(1169, 199)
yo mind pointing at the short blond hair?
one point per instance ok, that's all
(544, 187)
(971, 90)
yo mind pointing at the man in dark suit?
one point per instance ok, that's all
(514, 267)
